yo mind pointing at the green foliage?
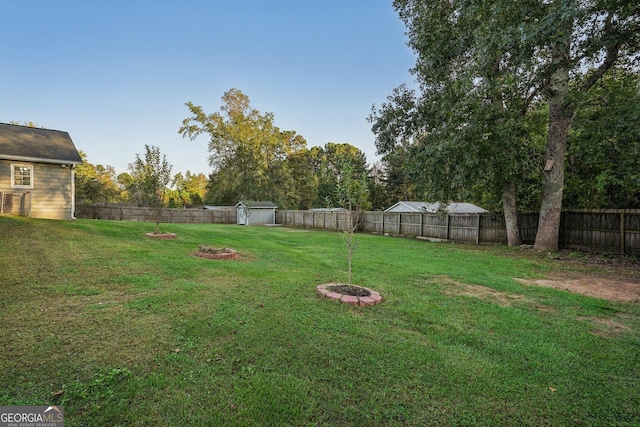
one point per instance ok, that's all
(329, 162)
(480, 68)
(151, 176)
(95, 184)
(188, 189)
(603, 167)
(352, 194)
(248, 152)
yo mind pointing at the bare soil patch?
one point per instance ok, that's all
(608, 288)
(484, 293)
(605, 327)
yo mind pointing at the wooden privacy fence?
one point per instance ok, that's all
(178, 216)
(603, 230)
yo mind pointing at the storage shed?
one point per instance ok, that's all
(452, 208)
(256, 213)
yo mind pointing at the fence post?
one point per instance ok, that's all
(399, 223)
(448, 226)
(478, 230)
(622, 231)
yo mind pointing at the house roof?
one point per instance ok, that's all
(452, 208)
(328, 210)
(28, 144)
(257, 204)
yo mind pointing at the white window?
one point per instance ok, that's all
(21, 176)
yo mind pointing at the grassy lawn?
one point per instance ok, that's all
(121, 329)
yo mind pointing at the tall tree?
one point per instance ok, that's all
(248, 152)
(603, 154)
(582, 40)
(190, 188)
(464, 128)
(480, 66)
(329, 162)
(95, 183)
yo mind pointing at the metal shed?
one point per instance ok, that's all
(256, 213)
(452, 208)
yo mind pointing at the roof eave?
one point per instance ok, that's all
(41, 160)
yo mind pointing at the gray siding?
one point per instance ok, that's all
(51, 194)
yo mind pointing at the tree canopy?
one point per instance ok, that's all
(484, 70)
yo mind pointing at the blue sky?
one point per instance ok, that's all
(116, 74)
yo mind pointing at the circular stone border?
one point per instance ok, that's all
(229, 254)
(161, 235)
(373, 298)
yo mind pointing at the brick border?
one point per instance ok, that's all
(230, 254)
(165, 236)
(373, 299)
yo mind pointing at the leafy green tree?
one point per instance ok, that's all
(248, 152)
(603, 156)
(189, 188)
(480, 67)
(328, 163)
(125, 184)
(464, 128)
(95, 183)
(305, 180)
(151, 176)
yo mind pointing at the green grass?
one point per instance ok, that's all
(136, 331)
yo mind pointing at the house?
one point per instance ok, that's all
(256, 213)
(453, 208)
(36, 172)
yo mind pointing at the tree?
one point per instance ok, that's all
(603, 154)
(464, 128)
(95, 184)
(305, 181)
(481, 66)
(190, 189)
(328, 163)
(352, 195)
(151, 176)
(248, 152)
(579, 42)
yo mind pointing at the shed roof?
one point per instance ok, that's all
(219, 208)
(256, 204)
(23, 143)
(452, 208)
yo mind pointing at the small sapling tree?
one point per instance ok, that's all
(352, 194)
(151, 176)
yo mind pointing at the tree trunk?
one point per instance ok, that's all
(560, 118)
(511, 213)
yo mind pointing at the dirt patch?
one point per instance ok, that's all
(605, 327)
(484, 293)
(597, 287)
